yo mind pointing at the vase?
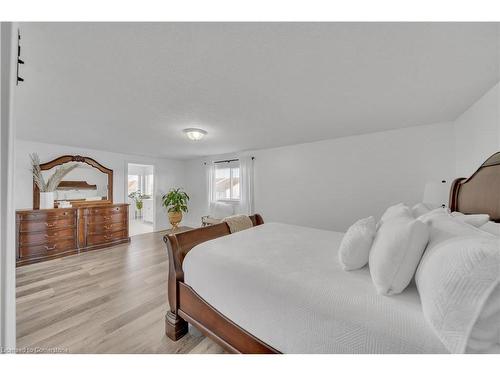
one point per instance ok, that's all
(175, 218)
(46, 200)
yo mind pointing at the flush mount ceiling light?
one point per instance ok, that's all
(195, 134)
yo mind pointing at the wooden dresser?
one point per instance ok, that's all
(48, 234)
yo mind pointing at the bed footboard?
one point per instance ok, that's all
(178, 245)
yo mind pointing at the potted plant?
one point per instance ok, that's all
(175, 201)
(137, 197)
(47, 188)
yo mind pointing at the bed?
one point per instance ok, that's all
(278, 288)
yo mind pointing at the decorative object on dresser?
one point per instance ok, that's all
(48, 188)
(92, 221)
(175, 201)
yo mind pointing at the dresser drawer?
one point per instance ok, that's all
(47, 236)
(38, 226)
(106, 219)
(50, 248)
(106, 211)
(96, 239)
(106, 228)
(48, 215)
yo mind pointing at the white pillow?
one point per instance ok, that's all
(444, 226)
(356, 244)
(458, 280)
(419, 209)
(491, 227)
(434, 214)
(397, 210)
(475, 220)
(396, 252)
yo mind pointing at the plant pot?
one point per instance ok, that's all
(46, 200)
(175, 218)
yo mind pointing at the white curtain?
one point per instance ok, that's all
(246, 206)
(218, 210)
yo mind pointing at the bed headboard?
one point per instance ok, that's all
(480, 193)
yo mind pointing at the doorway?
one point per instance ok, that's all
(140, 196)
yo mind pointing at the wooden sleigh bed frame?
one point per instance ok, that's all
(187, 306)
(478, 194)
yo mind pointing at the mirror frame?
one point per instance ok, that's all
(77, 158)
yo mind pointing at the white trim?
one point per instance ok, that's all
(8, 46)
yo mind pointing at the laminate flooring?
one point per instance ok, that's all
(104, 301)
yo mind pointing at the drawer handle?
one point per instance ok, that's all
(49, 236)
(107, 237)
(50, 248)
(49, 225)
(107, 227)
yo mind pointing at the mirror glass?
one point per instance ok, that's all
(84, 183)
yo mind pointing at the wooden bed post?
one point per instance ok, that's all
(175, 326)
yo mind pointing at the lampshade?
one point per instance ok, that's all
(195, 134)
(436, 193)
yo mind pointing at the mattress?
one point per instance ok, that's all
(283, 284)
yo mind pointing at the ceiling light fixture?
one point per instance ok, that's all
(195, 134)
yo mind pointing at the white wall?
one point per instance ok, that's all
(330, 184)
(140, 169)
(168, 173)
(477, 133)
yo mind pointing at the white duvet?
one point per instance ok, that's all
(284, 285)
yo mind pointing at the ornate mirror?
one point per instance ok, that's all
(89, 183)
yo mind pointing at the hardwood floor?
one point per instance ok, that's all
(103, 301)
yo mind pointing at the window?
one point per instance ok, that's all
(133, 183)
(227, 181)
(144, 184)
(148, 184)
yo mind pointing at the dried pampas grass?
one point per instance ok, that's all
(54, 180)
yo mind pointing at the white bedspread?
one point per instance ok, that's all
(284, 284)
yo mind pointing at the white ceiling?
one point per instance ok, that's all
(133, 87)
